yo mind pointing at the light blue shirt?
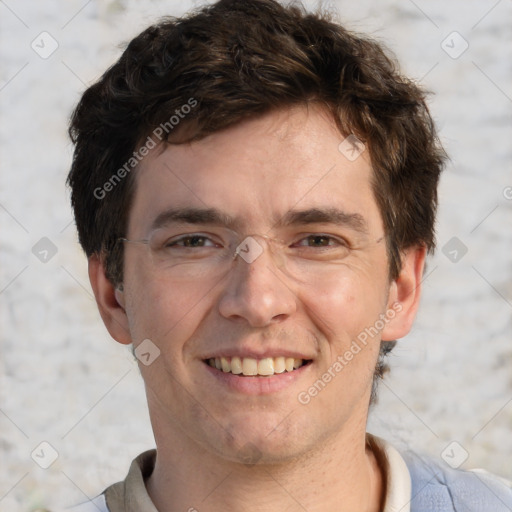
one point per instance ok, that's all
(414, 483)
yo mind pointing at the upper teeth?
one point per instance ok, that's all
(250, 366)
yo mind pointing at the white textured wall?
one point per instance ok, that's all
(64, 381)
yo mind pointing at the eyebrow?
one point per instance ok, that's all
(336, 216)
(209, 216)
(215, 217)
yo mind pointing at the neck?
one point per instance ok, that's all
(341, 475)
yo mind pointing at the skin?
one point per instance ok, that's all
(310, 456)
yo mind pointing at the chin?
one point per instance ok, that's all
(261, 443)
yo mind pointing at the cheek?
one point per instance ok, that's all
(347, 300)
(344, 312)
(344, 307)
(164, 312)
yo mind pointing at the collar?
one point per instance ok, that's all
(398, 478)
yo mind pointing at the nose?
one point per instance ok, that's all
(256, 291)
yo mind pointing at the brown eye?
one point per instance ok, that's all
(190, 241)
(320, 241)
(194, 241)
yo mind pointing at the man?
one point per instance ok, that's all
(255, 189)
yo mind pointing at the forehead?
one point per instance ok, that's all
(257, 171)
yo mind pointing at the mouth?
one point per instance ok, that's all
(250, 367)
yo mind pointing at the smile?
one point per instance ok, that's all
(248, 366)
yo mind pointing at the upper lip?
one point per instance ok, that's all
(257, 354)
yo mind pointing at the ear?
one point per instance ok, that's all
(404, 294)
(110, 301)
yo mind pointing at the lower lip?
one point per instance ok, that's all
(258, 385)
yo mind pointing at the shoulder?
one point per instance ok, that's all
(97, 504)
(437, 487)
(131, 489)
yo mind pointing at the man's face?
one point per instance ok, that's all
(307, 297)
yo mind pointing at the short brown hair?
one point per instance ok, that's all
(241, 58)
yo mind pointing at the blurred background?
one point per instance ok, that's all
(72, 408)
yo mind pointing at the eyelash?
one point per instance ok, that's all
(175, 241)
(339, 241)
